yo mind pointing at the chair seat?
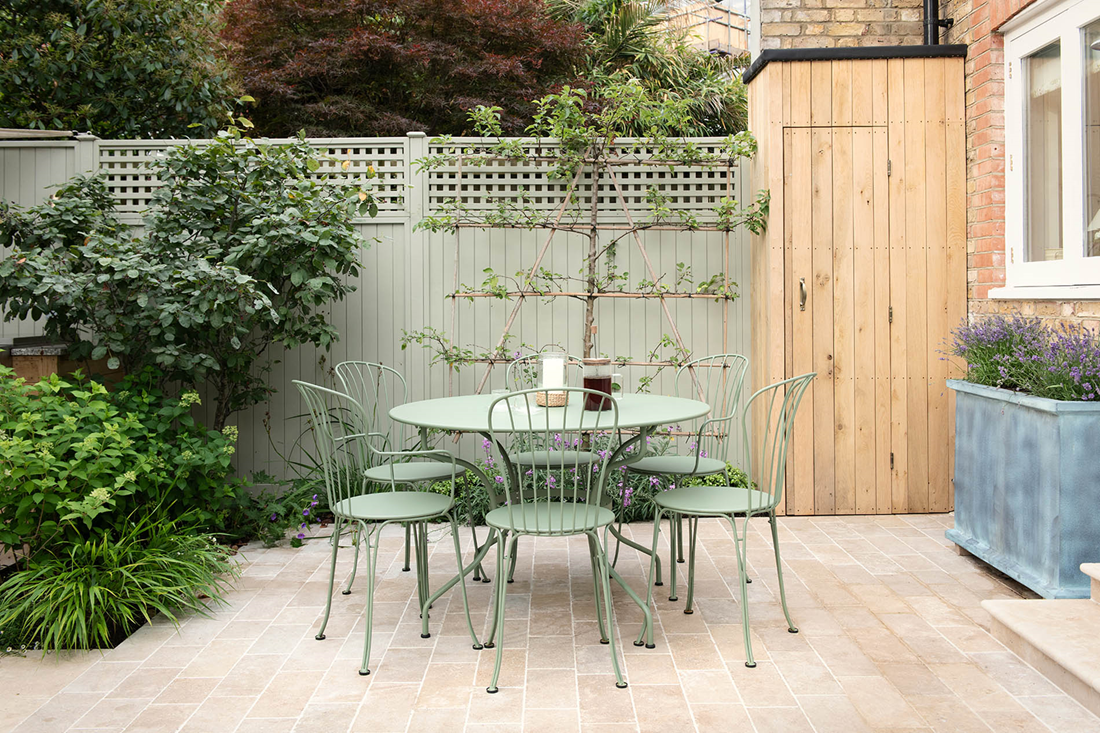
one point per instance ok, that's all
(394, 505)
(677, 465)
(550, 518)
(712, 500)
(411, 473)
(555, 458)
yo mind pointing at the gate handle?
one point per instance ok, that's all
(802, 293)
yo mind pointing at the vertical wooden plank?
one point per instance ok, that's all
(916, 294)
(799, 91)
(798, 197)
(881, 354)
(899, 393)
(821, 294)
(821, 93)
(843, 93)
(863, 316)
(955, 157)
(796, 487)
(863, 92)
(936, 196)
(844, 354)
(880, 85)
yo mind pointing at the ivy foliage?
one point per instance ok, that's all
(244, 247)
(116, 68)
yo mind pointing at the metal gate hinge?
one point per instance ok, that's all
(891, 461)
(891, 314)
(889, 168)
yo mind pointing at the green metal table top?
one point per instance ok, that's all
(470, 413)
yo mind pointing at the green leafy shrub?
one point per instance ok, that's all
(123, 68)
(270, 515)
(76, 460)
(92, 593)
(243, 247)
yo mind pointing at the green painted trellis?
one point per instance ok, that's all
(483, 175)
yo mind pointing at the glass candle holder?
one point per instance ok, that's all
(551, 379)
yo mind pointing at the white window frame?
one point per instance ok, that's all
(1074, 276)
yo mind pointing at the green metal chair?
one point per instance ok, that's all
(342, 451)
(523, 373)
(775, 408)
(377, 388)
(558, 491)
(716, 380)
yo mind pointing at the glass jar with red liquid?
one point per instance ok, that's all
(597, 376)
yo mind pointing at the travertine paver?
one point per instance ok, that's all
(893, 637)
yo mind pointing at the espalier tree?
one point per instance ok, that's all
(578, 135)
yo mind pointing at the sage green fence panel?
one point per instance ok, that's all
(407, 276)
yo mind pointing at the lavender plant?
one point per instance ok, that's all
(1030, 356)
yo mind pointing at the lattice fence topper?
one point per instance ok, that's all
(482, 182)
(127, 166)
(620, 189)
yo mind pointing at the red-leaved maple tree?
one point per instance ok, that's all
(386, 67)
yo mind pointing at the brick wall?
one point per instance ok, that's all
(829, 23)
(976, 24)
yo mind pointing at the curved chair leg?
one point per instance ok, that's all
(479, 573)
(424, 606)
(498, 609)
(512, 565)
(693, 535)
(749, 662)
(680, 538)
(408, 532)
(331, 576)
(649, 586)
(356, 536)
(502, 537)
(596, 587)
(779, 571)
(372, 565)
(605, 581)
(420, 533)
(729, 482)
(674, 528)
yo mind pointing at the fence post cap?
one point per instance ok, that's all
(417, 134)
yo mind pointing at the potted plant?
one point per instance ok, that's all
(1027, 451)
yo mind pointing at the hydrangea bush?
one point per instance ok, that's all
(77, 460)
(1030, 356)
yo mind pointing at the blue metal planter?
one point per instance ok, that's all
(1027, 486)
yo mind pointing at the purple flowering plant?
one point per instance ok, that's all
(1031, 356)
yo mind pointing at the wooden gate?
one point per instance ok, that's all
(869, 269)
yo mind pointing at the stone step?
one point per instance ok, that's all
(1092, 569)
(1060, 638)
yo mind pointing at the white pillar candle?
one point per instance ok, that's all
(553, 372)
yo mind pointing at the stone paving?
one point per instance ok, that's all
(893, 638)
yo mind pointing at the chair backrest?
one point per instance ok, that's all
(523, 373)
(716, 380)
(340, 452)
(772, 411)
(553, 456)
(376, 388)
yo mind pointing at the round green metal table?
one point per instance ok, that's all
(470, 414)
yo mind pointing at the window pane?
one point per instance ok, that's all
(1092, 139)
(1043, 138)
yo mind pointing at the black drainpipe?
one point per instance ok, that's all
(932, 22)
